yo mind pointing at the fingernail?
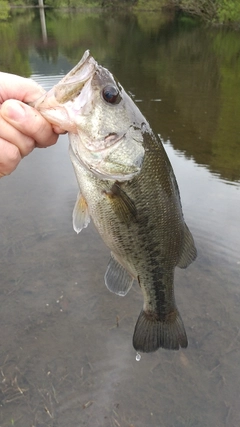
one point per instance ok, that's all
(13, 110)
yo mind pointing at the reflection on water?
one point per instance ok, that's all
(66, 357)
(43, 23)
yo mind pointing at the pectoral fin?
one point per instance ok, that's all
(81, 217)
(189, 252)
(117, 278)
(122, 205)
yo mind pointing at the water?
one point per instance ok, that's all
(138, 357)
(66, 355)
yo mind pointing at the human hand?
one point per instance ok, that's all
(22, 128)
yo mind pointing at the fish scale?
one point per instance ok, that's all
(128, 188)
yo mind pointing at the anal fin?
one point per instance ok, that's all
(117, 278)
(189, 252)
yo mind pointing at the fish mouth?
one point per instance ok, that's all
(72, 84)
(102, 145)
(52, 104)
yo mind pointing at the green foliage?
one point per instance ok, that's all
(149, 4)
(206, 9)
(149, 22)
(221, 11)
(72, 3)
(12, 59)
(211, 10)
(228, 10)
(21, 3)
(4, 10)
(226, 142)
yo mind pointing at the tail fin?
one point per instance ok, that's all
(151, 333)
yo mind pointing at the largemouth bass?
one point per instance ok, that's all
(128, 188)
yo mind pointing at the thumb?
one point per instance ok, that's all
(15, 113)
(13, 110)
(28, 121)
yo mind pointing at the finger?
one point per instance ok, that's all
(16, 87)
(29, 122)
(9, 157)
(23, 143)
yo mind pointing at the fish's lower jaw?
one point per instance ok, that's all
(152, 333)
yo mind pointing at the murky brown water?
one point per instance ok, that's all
(64, 361)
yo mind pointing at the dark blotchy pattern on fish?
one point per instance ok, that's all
(128, 187)
(141, 221)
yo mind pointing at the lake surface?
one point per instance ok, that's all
(66, 355)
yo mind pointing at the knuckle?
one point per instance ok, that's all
(14, 155)
(10, 159)
(27, 146)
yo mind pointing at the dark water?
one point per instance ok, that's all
(66, 357)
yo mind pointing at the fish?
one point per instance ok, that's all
(128, 188)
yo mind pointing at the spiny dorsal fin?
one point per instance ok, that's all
(81, 217)
(117, 278)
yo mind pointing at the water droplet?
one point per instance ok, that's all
(138, 357)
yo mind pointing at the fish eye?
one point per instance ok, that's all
(111, 95)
